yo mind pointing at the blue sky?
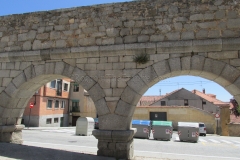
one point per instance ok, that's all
(8, 7)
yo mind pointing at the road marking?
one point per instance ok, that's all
(227, 142)
(59, 144)
(60, 131)
(202, 140)
(214, 141)
(188, 155)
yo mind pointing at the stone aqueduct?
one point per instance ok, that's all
(95, 46)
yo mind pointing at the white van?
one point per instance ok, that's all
(202, 129)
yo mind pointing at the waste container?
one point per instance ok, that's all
(143, 128)
(188, 131)
(84, 126)
(162, 130)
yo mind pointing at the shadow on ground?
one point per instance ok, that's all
(23, 152)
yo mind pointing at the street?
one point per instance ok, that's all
(211, 147)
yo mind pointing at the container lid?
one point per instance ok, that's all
(162, 123)
(141, 122)
(188, 124)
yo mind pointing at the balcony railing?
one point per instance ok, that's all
(75, 109)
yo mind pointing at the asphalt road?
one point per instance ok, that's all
(64, 144)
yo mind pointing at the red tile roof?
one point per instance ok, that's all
(211, 98)
(147, 100)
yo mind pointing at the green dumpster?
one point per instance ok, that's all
(162, 130)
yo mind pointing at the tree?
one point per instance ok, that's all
(236, 108)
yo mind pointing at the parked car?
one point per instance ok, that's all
(202, 129)
(96, 123)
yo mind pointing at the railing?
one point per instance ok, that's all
(75, 109)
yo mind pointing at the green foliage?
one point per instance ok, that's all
(236, 107)
(141, 58)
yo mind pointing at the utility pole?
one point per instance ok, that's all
(31, 106)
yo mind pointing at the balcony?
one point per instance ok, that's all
(74, 109)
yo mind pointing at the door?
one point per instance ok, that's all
(158, 116)
(74, 120)
(61, 121)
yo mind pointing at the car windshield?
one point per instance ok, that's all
(201, 125)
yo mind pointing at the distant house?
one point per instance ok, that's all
(50, 105)
(179, 106)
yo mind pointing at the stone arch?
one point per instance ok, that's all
(22, 87)
(218, 71)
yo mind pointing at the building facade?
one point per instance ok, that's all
(183, 105)
(51, 105)
(80, 104)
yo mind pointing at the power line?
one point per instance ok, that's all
(183, 83)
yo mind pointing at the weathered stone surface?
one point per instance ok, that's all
(207, 45)
(86, 82)
(130, 96)
(174, 64)
(102, 107)
(230, 73)
(213, 68)
(60, 53)
(149, 76)
(162, 68)
(96, 92)
(68, 70)
(114, 122)
(32, 56)
(197, 63)
(59, 67)
(11, 88)
(187, 35)
(223, 55)
(6, 98)
(124, 109)
(137, 84)
(19, 80)
(174, 47)
(29, 72)
(231, 44)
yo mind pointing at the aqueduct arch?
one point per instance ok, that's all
(95, 46)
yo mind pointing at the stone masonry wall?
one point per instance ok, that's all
(121, 23)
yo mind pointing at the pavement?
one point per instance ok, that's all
(37, 147)
(9, 151)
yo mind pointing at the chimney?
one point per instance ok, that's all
(203, 90)
(194, 91)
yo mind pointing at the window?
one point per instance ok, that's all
(53, 84)
(57, 104)
(65, 87)
(76, 88)
(185, 102)
(49, 121)
(49, 104)
(163, 103)
(59, 87)
(55, 120)
(75, 105)
(203, 102)
(63, 104)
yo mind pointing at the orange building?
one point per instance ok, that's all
(51, 103)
